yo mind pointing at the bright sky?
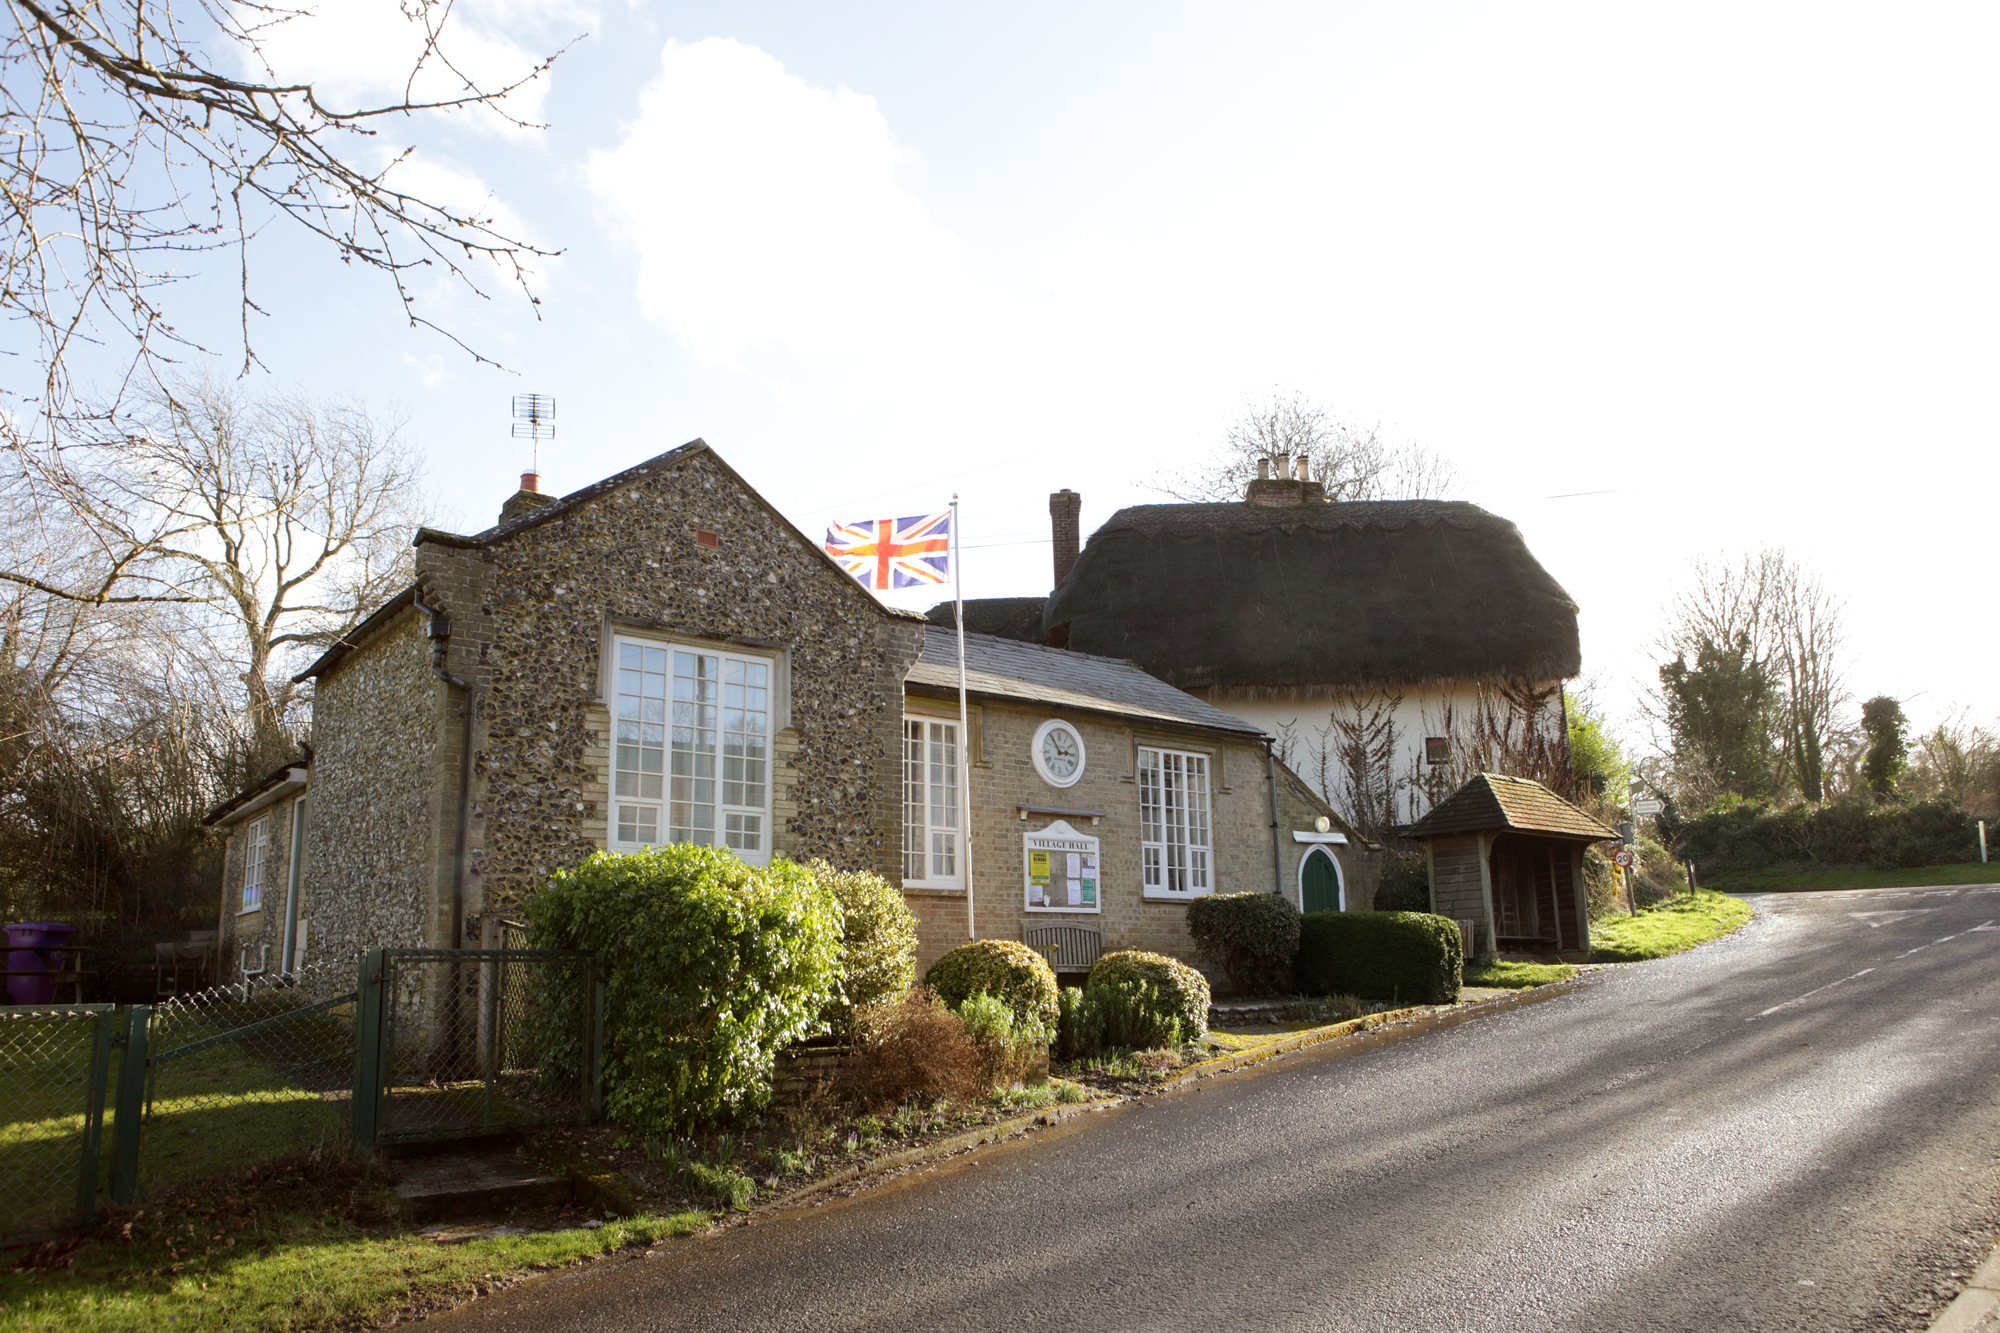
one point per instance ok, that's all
(1660, 280)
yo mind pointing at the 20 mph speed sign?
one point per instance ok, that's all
(1622, 857)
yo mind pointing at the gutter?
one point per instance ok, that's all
(1277, 843)
(440, 633)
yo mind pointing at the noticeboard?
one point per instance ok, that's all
(1059, 870)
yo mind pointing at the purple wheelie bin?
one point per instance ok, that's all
(26, 941)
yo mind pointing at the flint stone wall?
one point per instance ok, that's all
(531, 611)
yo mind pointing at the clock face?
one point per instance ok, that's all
(1059, 753)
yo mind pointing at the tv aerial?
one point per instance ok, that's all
(534, 419)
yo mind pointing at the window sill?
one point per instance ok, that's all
(1164, 896)
(251, 911)
(1065, 911)
(934, 890)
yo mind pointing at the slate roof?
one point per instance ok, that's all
(1009, 669)
(1351, 594)
(1494, 802)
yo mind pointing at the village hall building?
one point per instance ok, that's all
(663, 657)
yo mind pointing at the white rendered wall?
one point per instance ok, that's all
(1401, 721)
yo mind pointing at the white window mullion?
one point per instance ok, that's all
(930, 803)
(692, 749)
(1174, 823)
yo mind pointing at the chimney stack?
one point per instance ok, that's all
(528, 497)
(1065, 513)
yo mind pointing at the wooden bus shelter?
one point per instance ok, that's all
(1506, 863)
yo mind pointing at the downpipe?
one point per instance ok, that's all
(452, 1054)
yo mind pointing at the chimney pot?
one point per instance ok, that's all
(1305, 471)
(1065, 513)
(1264, 469)
(531, 482)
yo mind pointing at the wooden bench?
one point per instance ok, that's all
(1068, 947)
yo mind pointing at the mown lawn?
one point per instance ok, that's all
(1516, 976)
(305, 1243)
(1800, 881)
(1670, 928)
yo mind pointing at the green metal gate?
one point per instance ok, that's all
(55, 1064)
(455, 1043)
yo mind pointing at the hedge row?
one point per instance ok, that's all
(1406, 957)
(1756, 837)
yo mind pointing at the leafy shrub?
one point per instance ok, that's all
(878, 943)
(1749, 836)
(1006, 968)
(1403, 957)
(1405, 885)
(1009, 1048)
(1180, 992)
(714, 967)
(1135, 1013)
(1252, 937)
(1079, 1026)
(914, 1045)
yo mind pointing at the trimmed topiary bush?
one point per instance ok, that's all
(878, 943)
(714, 966)
(1005, 968)
(1253, 937)
(1402, 957)
(1180, 992)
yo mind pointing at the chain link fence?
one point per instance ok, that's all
(241, 1074)
(479, 1041)
(54, 1071)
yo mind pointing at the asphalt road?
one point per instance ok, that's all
(1794, 1128)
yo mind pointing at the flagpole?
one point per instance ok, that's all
(964, 727)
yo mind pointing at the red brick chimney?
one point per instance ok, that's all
(1065, 511)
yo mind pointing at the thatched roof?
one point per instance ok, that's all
(1003, 617)
(1346, 595)
(1496, 803)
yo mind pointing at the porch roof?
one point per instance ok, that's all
(1495, 802)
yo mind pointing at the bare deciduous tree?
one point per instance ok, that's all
(292, 516)
(1352, 463)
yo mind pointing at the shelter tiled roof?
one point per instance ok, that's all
(1493, 802)
(1010, 669)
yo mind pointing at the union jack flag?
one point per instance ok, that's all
(887, 553)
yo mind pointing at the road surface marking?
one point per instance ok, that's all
(1809, 994)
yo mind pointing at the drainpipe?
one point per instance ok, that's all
(1277, 843)
(440, 634)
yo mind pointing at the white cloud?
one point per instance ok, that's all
(363, 52)
(767, 218)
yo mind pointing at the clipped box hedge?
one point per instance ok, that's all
(1401, 957)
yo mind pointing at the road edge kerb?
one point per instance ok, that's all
(957, 1143)
(1980, 1299)
(1048, 1116)
(1450, 1014)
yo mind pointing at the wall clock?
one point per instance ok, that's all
(1058, 753)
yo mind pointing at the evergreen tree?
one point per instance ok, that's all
(1882, 721)
(1720, 713)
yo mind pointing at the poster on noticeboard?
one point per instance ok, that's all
(1060, 868)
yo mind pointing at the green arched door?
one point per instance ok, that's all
(1319, 882)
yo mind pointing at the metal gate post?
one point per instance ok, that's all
(131, 1109)
(369, 1011)
(489, 1019)
(93, 1129)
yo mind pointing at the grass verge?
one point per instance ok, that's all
(1669, 928)
(304, 1243)
(1516, 976)
(1803, 881)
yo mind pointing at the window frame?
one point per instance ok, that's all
(775, 682)
(256, 862)
(1162, 892)
(955, 882)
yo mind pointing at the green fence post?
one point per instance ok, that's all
(125, 1124)
(596, 1090)
(93, 1129)
(368, 1078)
(489, 1056)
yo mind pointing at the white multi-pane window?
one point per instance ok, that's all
(692, 755)
(930, 803)
(256, 858)
(1174, 848)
